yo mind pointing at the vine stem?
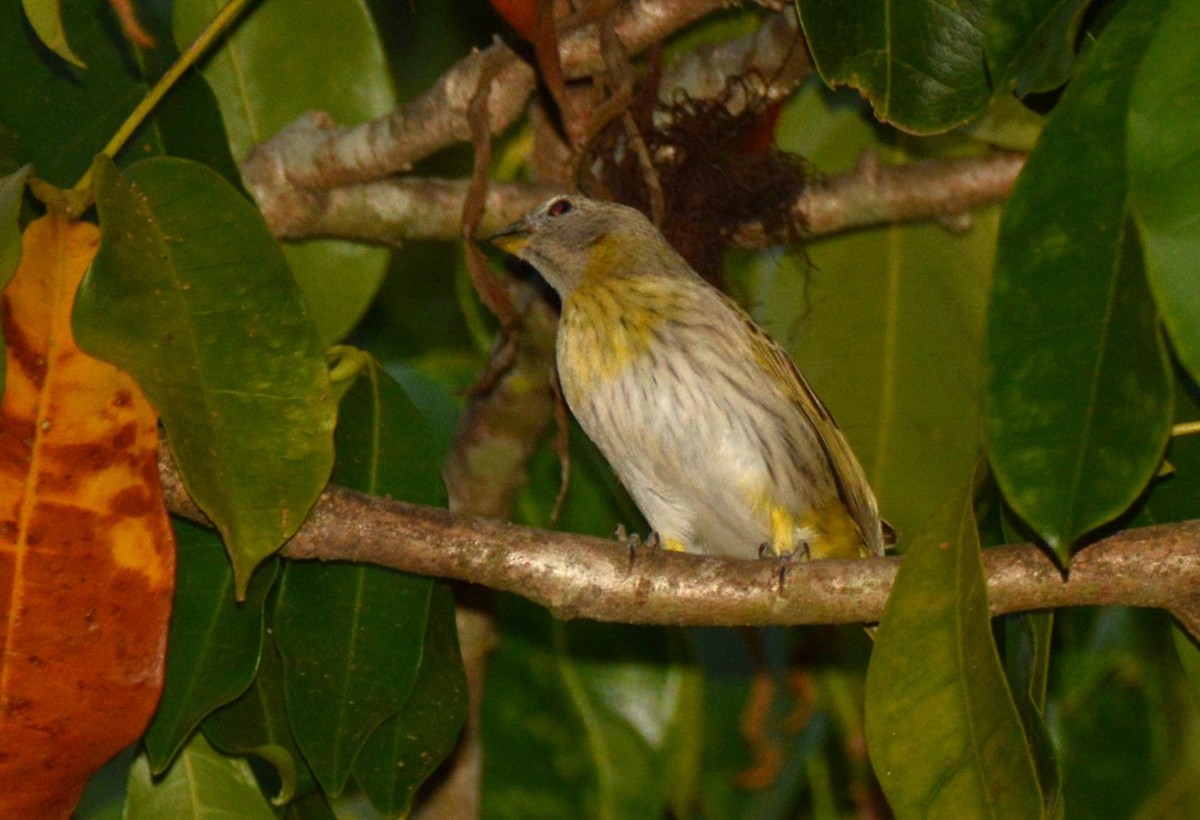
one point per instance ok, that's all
(215, 28)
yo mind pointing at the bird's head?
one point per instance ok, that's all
(572, 237)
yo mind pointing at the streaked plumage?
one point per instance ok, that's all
(706, 420)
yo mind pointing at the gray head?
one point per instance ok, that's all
(570, 237)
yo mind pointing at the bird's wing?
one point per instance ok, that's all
(851, 480)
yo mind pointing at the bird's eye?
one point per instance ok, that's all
(559, 207)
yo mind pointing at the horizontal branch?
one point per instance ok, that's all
(390, 211)
(578, 576)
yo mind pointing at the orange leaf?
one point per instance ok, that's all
(520, 14)
(86, 553)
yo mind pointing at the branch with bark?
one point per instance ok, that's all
(577, 576)
(317, 179)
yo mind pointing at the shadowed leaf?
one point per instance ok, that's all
(942, 730)
(1079, 388)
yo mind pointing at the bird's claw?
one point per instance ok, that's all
(784, 561)
(633, 542)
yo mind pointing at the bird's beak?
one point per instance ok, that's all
(513, 238)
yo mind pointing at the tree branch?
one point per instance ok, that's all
(390, 211)
(577, 576)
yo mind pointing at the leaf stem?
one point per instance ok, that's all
(215, 28)
(1187, 428)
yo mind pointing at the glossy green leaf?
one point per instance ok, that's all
(942, 729)
(1079, 388)
(1164, 174)
(1030, 44)
(257, 724)
(352, 637)
(214, 642)
(277, 65)
(866, 317)
(918, 62)
(408, 747)
(201, 783)
(190, 294)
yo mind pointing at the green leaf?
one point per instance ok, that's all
(214, 643)
(409, 746)
(276, 66)
(1027, 663)
(352, 637)
(918, 62)
(384, 445)
(863, 315)
(1079, 389)
(12, 194)
(62, 116)
(942, 730)
(1030, 44)
(1164, 174)
(589, 717)
(190, 294)
(46, 18)
(257, 723)
(201, 783)
(1125, 725)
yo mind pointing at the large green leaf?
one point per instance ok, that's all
(214, 643)
(942, 729)
(919, 62)
(1079, 388)
(353, 637)
(409, 746)
(284, 59)
(864, 314)
(1030, 44)
(201, 783)
(1164, 173)
(190, 294)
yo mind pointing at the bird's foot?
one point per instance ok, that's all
(633, 542)
(784, 562)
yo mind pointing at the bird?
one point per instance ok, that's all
(705, 419)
